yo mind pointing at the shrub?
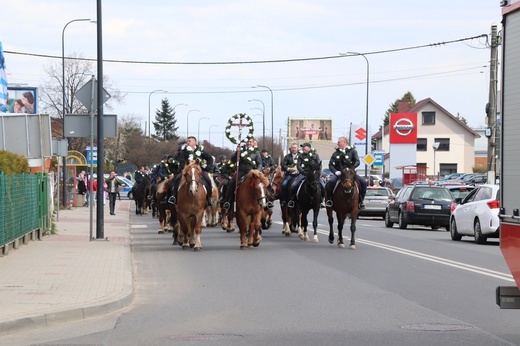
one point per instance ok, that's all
(11, 163)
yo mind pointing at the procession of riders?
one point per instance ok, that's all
(295, 165)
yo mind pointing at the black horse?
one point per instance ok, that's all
(141, 191)
(308, 197)
(345, 201)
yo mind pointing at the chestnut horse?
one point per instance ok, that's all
(345, 201)
(251, 201)
(191, 202)
(163, 208)
(275, 177)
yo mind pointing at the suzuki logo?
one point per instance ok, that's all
(361, 134)
(403, 127)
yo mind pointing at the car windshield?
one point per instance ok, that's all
(431, 194)
(377, 192)
(460, 192)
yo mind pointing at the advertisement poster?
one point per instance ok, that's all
(22, 100)
(310, 129)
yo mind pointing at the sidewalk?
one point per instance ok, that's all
(66, 276)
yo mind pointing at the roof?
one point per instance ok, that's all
(420, 105)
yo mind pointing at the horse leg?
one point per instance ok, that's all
(331, 228)
(257, 234)
(196, 234)
(231, 220)
(286, 221)
(242, 226)
(302, 231)
(353, 231)
(341, 221)
(315, 224)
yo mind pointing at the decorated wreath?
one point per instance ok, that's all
(194, 154)
(246, 156)
(244, 119)
(306, 157)
(341, 155)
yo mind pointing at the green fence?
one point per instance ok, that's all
(24, 205)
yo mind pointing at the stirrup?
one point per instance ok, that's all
(290, 204)
(270, 205)
(361, 205)
(172, 200)
(226, 206)
(328, 204)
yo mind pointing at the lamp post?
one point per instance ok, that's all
(263, 120)
(435, 146)
(149, 97)
(366, 111)
(272, 118)
(188, 122)
(198, 128)
(209, 132)
(64, 99)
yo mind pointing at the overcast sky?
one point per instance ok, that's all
(455, 75)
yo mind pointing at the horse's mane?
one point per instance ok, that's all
(256, 174)
(189, 165)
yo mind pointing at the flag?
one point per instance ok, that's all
(3, 81)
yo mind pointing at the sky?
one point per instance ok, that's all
(406, 45)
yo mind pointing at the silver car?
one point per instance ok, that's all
(477, 215)
(376, 200)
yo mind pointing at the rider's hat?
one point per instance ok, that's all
(306, 144)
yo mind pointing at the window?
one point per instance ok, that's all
(422, 144)
(428, 118)
(447, 168)
(444, 144)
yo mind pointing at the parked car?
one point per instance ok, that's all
(459, 192)
(419, 204)
(450, 177)
(477, 215)
(461, 178)
(126, 186)
(477, 179)
(395, 184)
(376, 200)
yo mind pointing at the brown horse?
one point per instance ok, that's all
(191, 202)
(345, 200)
(275, 177)
(251, 200)
(163, 209)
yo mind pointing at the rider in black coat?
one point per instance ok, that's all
(308, 159)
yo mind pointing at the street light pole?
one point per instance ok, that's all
(149, 97)
(198, 130)
(435, 146)
(263, 120)
(366, 108)
(64, 174)
(272, 117)
(188, 122)
(209, 132)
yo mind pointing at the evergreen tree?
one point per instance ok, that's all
(393, 107)
(164, 125)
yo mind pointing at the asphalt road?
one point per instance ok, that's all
(399, 287)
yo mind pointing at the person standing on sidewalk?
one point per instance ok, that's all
(113, 186)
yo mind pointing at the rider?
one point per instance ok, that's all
(308, 159)
(290, 170)
(192, 151)
(344, 156)
(267, 160)
(139, 174)
(250, 159)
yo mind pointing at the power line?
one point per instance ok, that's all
(251, 61)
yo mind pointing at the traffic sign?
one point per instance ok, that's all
(379, 159)
(84, 95)
(369, 159)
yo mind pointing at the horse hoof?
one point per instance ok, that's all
(197, 249)
(175, 242)
(341, 245)
(287, 234)
(160, 232)
(256, 244)
(229, 230)
(331, 241)
(306, 238)
(315, 239)
(301, 236)
(243, 247)
(192, 246)
(185, 247)
(352, 247)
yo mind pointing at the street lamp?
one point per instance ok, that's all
(63, 100)
(272, 118)
(366, 114)
(263, 119)
(149, 97)
(435, 147)
(209, 132)
(198, 129)
(188, 122)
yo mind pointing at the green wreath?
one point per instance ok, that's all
(237, 117)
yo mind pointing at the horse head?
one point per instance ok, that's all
(192, 173)
(275, 182)
(258, 183)
(348, 176)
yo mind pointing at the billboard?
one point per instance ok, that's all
(403, 128)
(310, 129)
(22, 100)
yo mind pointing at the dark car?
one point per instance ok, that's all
(395, 184)
(420, 204)
(477, 179)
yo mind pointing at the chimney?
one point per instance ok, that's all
(403, 106)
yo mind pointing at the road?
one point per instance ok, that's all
(399, 287)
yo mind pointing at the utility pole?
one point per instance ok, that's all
(491, 107)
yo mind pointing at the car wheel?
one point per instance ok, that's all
(130, 196)
(453, 230)
(479, 237)
(388, 223)
(402, 221)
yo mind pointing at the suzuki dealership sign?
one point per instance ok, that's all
(403, 128)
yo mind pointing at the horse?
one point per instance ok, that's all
(251, 200)
(345, 201)
(163, 210)
(211, 212)
(308, 198)
(227, 216)
(191, 202)
(275, 177)
(140, 192)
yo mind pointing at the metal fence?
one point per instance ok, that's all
(24, 206)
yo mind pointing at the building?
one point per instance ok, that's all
(436, 127)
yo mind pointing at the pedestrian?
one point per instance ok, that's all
(113, 186)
